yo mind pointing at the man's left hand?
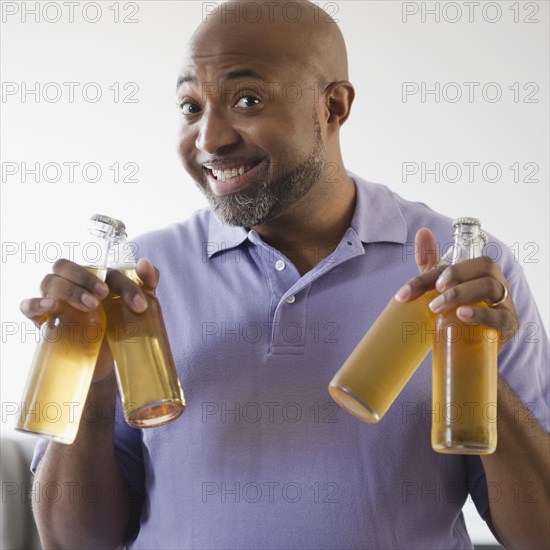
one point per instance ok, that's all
(479, 281)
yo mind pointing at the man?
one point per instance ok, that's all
(263, 302)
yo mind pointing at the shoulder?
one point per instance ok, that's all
(385, 204)
(384, 210)
(177, 239)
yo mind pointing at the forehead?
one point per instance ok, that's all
(217, 36)
(216, 67)
(221, 48)
(228, 66)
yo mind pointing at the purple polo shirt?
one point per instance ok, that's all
(262, 457)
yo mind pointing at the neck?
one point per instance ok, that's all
(311, 230)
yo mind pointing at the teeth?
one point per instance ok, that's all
(223, 175)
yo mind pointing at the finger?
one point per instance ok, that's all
(129, 291)
(427, 258)
(148, 273)
(502, 320)
(469, 269)
(81, 276)
(57, 287)
(474, 291)
(37, 309)
(419, 285)
(425, 250)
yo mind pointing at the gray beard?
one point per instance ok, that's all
(269, 198)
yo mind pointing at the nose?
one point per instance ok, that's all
(215, 132)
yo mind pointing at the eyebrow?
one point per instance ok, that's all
(241, 73)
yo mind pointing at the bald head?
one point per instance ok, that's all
(296, 34)
(263, 93)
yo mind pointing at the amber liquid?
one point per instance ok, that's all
(385, 359)
(148, 383)
(61, 374)
(464, 387)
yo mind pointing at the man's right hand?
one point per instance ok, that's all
(71, 290)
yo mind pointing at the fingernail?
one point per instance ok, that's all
(101, 290)
(436, 304)
(403, 293)
(46, 303)
(144, 263)
(89, 301)
(139, 303)
(440, 283)
(465, 313)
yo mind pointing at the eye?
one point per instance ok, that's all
(189, 108)
(247, 101)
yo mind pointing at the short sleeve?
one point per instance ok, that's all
(523, 364)
(524, 361)
(39, 451)
(476, 482)
(128, 452)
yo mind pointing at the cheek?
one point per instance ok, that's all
(186, 146)
(291, 134)
(288, 148)
(267, 137)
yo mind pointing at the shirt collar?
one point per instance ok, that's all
(377, 218)
(223, 237)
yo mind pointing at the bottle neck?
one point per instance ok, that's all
(121, 255)
(468, 243)
(99, 267)
(95, 255)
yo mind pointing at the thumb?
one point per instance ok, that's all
(425, 250)
(148, 273)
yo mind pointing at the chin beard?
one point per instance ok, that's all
(268, 198)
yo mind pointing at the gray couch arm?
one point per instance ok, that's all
(17, 529)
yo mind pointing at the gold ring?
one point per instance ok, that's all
(504, 296)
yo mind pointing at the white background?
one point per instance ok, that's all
(390, 43)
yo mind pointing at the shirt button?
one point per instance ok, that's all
(280, 265)
(290, 299)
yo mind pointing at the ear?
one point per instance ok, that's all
(338, 99)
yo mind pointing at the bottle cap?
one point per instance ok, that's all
(467, 232)
(107, 225)
(466, 221)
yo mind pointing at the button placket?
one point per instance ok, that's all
(291, 312)
(281, 276)
(289, 325)
(289, 291)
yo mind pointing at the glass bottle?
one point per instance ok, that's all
(464, 391)
(64, 362)
(149, 387)
(385, 358)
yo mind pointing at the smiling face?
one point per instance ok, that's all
(250, 133)
(257, 191)
(252, 152)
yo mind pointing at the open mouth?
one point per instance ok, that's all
(229, 178)
(229, 172)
